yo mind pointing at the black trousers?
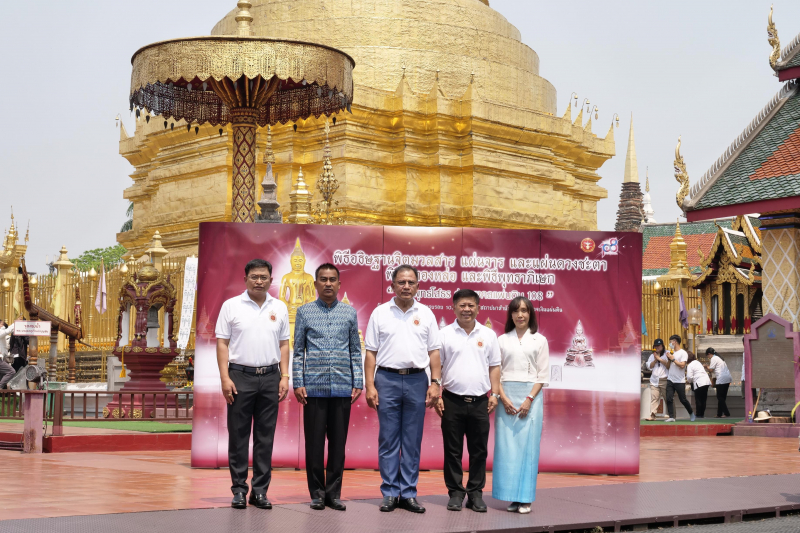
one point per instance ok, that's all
(680, 388)
(722, 400)
(256, 405)
(460, 419)
(700, 399)
(325, 417)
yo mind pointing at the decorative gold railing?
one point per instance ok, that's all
(661, 309)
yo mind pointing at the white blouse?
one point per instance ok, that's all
(526, 359)
(697, 374)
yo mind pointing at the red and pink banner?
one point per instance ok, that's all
(586, 287)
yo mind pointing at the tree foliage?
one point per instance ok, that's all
(128, 225)
(110, 256)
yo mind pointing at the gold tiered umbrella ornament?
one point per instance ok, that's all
(327, 210)
(241, 80)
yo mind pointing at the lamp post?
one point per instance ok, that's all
(694, 321)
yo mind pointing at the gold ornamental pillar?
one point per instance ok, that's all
(244, 164)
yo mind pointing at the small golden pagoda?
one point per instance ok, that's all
(451, 125)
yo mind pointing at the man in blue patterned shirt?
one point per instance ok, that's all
(328, 378)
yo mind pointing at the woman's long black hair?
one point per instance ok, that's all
(513, 307)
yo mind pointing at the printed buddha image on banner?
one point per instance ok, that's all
(577, 281)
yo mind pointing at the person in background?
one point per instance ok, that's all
(744, 385)
(721, 380)
(6, 370)
(524, 372)
(676, 378)
(328, 379)
(657, 363)
(470, 368)
(19, 351)
(698, 377)
(5, 339)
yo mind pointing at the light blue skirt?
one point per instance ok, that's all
(516, 446)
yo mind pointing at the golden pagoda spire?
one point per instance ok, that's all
(678, 259)
(631, 166)
(299, 201)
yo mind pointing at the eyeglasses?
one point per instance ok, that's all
(258, 278)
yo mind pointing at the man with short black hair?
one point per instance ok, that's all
(253, 358)
(470, 357)
(657, 363)
(328, 378)
(402, 340)
(676, 377)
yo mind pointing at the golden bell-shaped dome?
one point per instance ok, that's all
(451, 40)
(148, 273)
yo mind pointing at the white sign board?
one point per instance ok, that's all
(187, 304)
(32, 328)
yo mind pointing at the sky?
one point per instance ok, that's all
(693, 68)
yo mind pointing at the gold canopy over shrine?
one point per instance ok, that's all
(243, 80)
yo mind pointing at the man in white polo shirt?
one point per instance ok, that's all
(402, 341)
(676, 377)
(253, 357)
(470, 357)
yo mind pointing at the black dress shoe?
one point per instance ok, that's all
(238, 501)
(260, 501)
(318, 504)
(336, 504)
(476, 504)
(388, 504)
(455, 503)
(410, 504)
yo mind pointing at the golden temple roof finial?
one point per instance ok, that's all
(774, 41)
(681, 175)
(244, 19)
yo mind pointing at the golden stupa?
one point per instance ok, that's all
(451, 125)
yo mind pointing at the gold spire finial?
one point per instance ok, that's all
(681, 176)
(647, 179)
(244, 18)
(774, 41)
(631, 166)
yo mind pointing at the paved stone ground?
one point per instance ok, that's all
(790, 524)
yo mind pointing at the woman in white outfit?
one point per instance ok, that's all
(722, 381)
(698, 377)
(524, 372)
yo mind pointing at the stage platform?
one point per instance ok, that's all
(612, 507)
(74, 484)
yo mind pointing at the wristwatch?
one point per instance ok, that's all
(496, 395)
(529, 397)
(437, 381)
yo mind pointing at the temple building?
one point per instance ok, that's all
(451, 125)
(630, 214)
(760, 173)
